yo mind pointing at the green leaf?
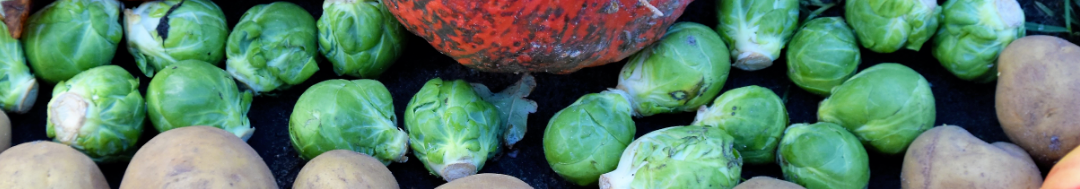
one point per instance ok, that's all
(514, 108)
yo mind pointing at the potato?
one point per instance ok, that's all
(486, 181)
(5, 131)
(761, 182)
(950, 157)
(1038, 96)
(197, 157)
(344, 169)
(1065, 172)
(43, 164)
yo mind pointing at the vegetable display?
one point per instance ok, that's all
(754, 116)
(191, 93)
(350, 170)
(1036, 99)
(681, 72)
(99, 112)
(949, 156)
(19, 89)
(886, 106)
(451, 129)
(355, 115)
(43, 164)
(885, 26)
(972, 34)
(272, 47)
(823, 155)
(822, 55)
(756, 30)
(586, 139)
(197, 157)
(70, 36)
(361, 38)
(164, 32)
(537, 36)
(678, 157)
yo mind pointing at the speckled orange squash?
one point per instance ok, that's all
(556, 36)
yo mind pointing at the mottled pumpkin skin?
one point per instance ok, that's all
(556, 36)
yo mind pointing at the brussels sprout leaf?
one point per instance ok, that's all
(514, 108)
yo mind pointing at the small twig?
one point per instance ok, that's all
(1068, 16)
(1031, 26)
(655, 11)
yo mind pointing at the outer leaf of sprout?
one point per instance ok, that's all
(514, 107)
(19, 91)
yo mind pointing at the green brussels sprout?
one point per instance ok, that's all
(360, 37)
(164, 32)
(680, 73)
(99, 112)
(886, 106)
(822, 55)
(754, 115)
(70, 36)
(355, 115)
(678, 157)
(823, 155)
(451, 129)
(587, 138)
(273, 46)
(19, 90)
(973, 33)
(192, 93)
(756, 30)
(885, 26)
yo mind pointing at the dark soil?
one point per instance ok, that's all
(962, 103)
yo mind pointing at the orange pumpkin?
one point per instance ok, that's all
(1066, 174)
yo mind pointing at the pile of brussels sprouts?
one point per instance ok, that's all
(454, 127)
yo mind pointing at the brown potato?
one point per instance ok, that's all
(344, 169)
(950, 157)
(762, 182)
(5, 131)
(43, 164)
(1038, 96)
(197, 157)
(486, 181)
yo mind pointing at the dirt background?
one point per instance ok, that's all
(962, 103)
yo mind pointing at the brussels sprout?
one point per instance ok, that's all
(678, 157)
(514, 108)
(754, 115)
(70, 36)
(19, 90)
(273, 46)
(886, 106)
(360, 37)
(451, 129)
(885, 26)
(680, 73)
(823, 155)
(822, 55)
(164, 32)
(99, 112)
(973, 33)
(757, 29)
(355, 115)
(192, 92)
(586, 139)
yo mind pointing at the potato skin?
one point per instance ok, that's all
(5, 132)
(950, 157)
(486, 181)
(762, 182)
(43, 164)
(197, 157)
(1037, 96)
(345, 169)
(1064, 173)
